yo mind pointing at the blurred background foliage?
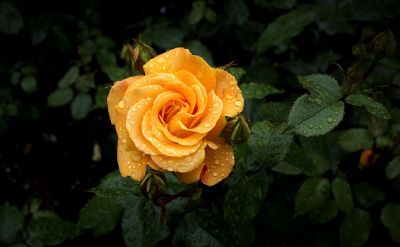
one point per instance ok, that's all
(59, 59)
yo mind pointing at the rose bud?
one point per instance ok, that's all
(237, 130)
(358, 50)
(384, 44)
(366, 158)
(153, 185)
(141, 54)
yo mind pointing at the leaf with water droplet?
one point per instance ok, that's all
(100, 215)
(308, 118)
(371, 105)
(312, 194)
(323, 88)
(141, 223)
(356, 139)
(268, 145)
(254, 90)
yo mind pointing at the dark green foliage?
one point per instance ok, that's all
(321, 84)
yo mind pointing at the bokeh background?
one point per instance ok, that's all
(59, 59)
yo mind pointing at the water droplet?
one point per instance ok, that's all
(207, 125)
(188, 158)
(329, 120)
(170, 161)
(310, 126)
(124, 140)
(215, 174)
(160, 60)
(151, 65)
(238, 103)
(121, 104)
(170, 168)
(222, 164)
(167, 55)
(217, 162)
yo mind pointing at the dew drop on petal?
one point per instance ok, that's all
(121, 104)
(238, 103)
(170, 168)
(215, 174)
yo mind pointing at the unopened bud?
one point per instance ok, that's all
(355, 71)
(141, 54)
(366, 158)
(359, 50)
(384, 44)
(153, 185)
(237, 129)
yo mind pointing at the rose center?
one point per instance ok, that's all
(170, 109)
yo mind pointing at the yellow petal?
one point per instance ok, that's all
(117, 93)
(131, 163)
(180, 164)
(219, 163)
(210, 117)
(167, 148)
(181, 59)
(219, 126)
(190, 177)
(134, 126)
(228, 90)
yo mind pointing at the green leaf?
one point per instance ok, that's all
(316, 158)
(11, 221)
(274, 111)
(141, 224)
(312, 194)
(11, 21)
(371, 105)
(60, 97)
(198, 48)
(115, 73)
(287, 168)
(163, 35)
(342, 193)
(309, 118)
(355, 228)
(257, 90)
(390, 219)
(29, 84)
(47, 228)
(243, 201)
(100, 215)
(284, 28)
(267, 145)
(197, 12)
(201, 229)
(237, 11)
(326, 212)
(367, 195)
(84, 83)
(393, 168)
(81, 106)
(354, 140)
(114, 186)
(323, 88)
(69, 78)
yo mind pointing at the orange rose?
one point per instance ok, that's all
(171, 117)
